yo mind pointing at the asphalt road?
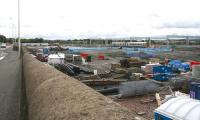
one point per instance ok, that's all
(10, 78)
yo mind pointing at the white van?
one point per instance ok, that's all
(3, 45)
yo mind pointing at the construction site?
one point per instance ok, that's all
(99, 60)
(141, 79)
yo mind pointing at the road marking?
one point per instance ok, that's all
(1, 58)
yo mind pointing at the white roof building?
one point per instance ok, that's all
(56, 58)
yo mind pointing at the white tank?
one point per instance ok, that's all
(180, 108)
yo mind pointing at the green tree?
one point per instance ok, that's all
(3, 38)
(10, 40)
(38, 40)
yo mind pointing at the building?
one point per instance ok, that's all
(129, 44)
(56, 58)
(35, 44)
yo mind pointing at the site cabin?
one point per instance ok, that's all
(136, 44)
(118, 44)
(129, 44)
(56, 58)
(73, 58)
(179, 108)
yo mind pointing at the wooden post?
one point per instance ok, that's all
(158, 99)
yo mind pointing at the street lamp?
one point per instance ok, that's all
(19, 40)
(12, 31)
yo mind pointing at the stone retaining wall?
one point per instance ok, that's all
(52, 95)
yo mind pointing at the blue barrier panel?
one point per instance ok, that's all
(161, 77)
(178, 65)
(162, 69)
(185, 67)
(162, 73)
(148, 49)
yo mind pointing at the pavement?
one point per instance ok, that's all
(10, 84)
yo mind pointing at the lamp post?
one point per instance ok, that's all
(19, 40)
(12, 31)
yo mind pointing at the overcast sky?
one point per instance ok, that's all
(68, 19)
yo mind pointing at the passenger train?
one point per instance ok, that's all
(129, 44)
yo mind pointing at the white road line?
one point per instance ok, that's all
(1, 58)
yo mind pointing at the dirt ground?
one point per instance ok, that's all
(137, 105)
(185, 54)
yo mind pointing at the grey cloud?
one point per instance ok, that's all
(91, 34)
(9, 26)
(181, 25)
(27, 26)
(4, 26)
(155, 15)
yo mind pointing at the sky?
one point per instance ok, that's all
(79, 19)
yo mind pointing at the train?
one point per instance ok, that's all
(129, 44)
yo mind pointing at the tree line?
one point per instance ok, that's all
(41, 40)
(3, 39)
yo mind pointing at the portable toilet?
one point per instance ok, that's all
(45, 51)
(195, 90)
(179, 108)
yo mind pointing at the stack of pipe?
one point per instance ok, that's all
(134, 88)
